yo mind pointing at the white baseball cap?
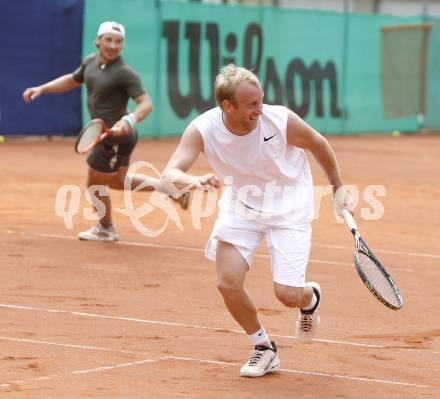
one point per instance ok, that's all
(111, 27)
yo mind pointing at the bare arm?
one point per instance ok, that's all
(143, 108)
(186, 153)
(300, 134)
(59, 85)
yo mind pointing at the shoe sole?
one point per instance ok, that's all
(97, 239)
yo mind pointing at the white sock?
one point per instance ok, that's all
(312, 303)
(260, 338)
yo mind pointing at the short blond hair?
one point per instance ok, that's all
(227, 81)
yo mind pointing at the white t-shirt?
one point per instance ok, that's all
(260, 170)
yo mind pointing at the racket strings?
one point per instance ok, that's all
(377, 278)
(89, 135)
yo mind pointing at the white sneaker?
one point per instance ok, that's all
(308, 320)
(264, 360)
(99, 233)
(184, 200)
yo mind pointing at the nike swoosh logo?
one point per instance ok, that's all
(268, 138)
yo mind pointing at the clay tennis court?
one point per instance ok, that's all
(142, 318)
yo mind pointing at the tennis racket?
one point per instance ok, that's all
(371, 271)
(91, 134)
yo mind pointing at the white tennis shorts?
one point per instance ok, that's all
(288, 245)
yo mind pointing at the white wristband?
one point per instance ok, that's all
(130, 119)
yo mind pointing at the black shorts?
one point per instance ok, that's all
(108, 158)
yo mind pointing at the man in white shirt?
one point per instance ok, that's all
(257, 150)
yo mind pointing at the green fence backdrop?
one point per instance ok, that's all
(326, 66)
(433, 84)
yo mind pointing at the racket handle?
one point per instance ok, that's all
(349, 221)
(104, 135)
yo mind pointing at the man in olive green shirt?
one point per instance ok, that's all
(110, 83)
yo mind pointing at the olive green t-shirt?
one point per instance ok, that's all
(108, 89)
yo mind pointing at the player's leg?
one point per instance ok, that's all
(232, 244)
(308, 316)
(293, 297)
(289, 251)
(97, 185)
(99, 179)
(231, 273)
(103, 167)
(308, 299)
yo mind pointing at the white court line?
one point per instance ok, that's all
(195, 249)
(385, 251)
(33, 341)
(194, 326)
(76, 372)
(207, 361)
(181, 248)
(201, 250)
(313, 373)
(177, 248)
(347, 377)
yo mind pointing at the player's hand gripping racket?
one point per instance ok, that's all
(371, 271)
(91, 134)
